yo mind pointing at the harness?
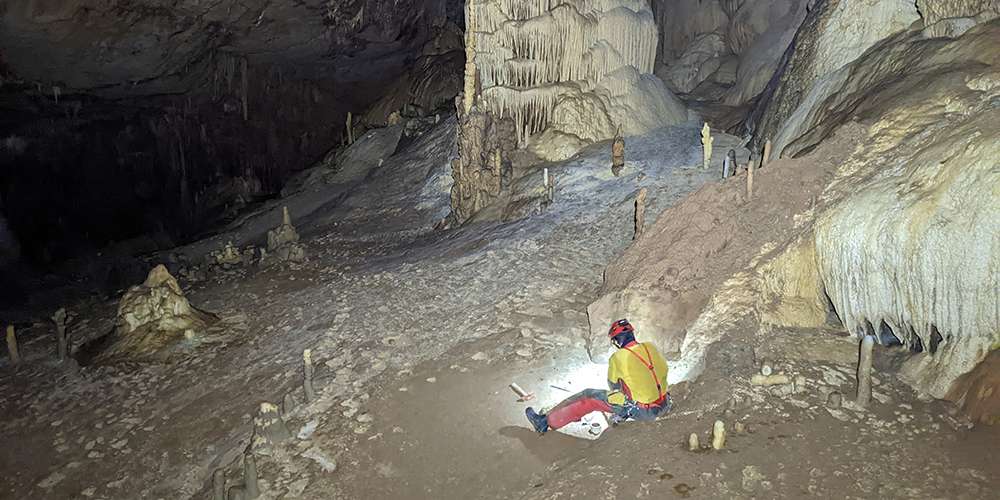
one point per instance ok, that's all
(661, 396)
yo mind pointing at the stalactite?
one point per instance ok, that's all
(529, 52)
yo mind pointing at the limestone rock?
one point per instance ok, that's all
(833, 34)
(602, 67)
(700, 60)
(157, 304)
(953, 17)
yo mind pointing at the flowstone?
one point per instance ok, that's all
(531, 57)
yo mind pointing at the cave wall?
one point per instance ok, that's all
(157, 120)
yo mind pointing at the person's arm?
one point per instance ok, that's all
(615, 395)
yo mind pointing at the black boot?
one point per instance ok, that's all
(538, 421)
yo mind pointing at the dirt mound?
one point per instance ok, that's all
(666, 278)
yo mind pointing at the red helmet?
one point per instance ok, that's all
(619, 327)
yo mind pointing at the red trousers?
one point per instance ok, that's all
(575, 407)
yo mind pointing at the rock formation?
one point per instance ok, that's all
(151, 317)
(283, 241)
(483, 167)
(547, 64)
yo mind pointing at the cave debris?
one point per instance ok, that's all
(618, 153)
(706, 144)
(15, 356)
(769, 380)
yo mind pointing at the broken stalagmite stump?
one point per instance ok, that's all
(766, 368)
(618, 153)
(15, 356)
(268, 428)
(865, 371)
(706, 144)
(61, 319)
(718, 435)
(307, 381)
(767, 154)
(834, 400)
(640, 213)
(729, 164)
(693, 443)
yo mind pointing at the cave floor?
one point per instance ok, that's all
(415, 338)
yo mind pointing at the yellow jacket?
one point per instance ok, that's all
(630, 377)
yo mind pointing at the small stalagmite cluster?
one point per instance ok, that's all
(151, 317)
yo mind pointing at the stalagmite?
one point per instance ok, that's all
(767, 153)
(219, 485)
(693, 443)
(268, 428)
(706, 144)
(640, 213)
(61, 319)
(307, 382)
(618, 153)
(718, 435)
(252, 488)
(865, 371)
(15, 356)
(236, 493)
(729, 164)
(469, 96)
(750, 170)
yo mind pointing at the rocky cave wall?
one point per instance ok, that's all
(124, 120)
(569, 72)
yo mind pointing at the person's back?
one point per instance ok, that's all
(639, 371)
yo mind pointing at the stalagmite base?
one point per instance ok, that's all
(15, 356)
(865, 371)
(640, 213)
